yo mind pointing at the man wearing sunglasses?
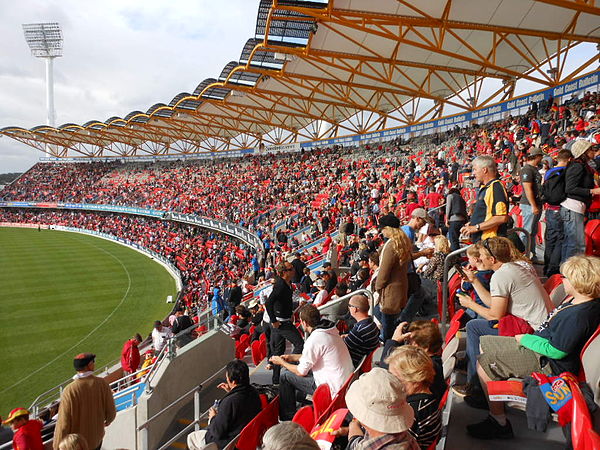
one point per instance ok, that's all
(280, 308)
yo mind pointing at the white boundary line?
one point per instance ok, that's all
(91, 332)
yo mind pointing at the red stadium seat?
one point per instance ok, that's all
(553, 282)
(305, 417)
(454, 326)
(367, 364)
(256, 352)
(321, 399)
(251, 436)
(583, 436)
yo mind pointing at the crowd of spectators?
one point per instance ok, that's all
(204, 259)
(392, 205)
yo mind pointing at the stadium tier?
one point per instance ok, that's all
(342, 199)
(379, 228)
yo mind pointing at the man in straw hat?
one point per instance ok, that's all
(377, 400)
(86, 405)
(28, 433)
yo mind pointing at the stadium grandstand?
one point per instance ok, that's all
(379, 204)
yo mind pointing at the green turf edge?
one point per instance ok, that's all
(56, 288)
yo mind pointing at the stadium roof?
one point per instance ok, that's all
(354, 64)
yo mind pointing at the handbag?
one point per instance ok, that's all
(414, 280)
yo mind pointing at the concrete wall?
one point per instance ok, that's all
(194, 363)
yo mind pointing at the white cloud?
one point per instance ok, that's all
(118, 57)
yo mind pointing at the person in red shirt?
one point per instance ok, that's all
(28, 433)
(130, 355)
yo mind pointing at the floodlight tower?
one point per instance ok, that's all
(45, 41)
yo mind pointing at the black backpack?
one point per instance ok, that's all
(553, 189)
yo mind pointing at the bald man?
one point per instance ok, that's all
(363, 338)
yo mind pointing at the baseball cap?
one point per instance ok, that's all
(535, 151)
(15, 413)
(422, 214)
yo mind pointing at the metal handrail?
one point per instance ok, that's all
(115, 384)
(449, 258)
(178, 400)
(34, 407)
(337, 301)
(159, 358)
(173, 403)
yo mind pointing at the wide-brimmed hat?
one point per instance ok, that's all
(579, 147)
(378, 400)
(15, 413)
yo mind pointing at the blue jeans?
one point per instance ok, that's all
(454, 233)
(530, 223)
(475, 329)
(574, 233)
(387, 321)
(289, 385)
(553, 239)
(414, 303)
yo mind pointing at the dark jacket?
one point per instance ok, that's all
(235, 411)
(235, 296)
(579, 179)
(279, 303)
(299, 266)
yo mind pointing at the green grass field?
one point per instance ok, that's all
(65, 293)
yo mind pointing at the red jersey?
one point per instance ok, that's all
(29, 436)
(130, 356)
(434, 199)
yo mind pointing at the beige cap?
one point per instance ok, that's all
(422, 214)
(378, 400)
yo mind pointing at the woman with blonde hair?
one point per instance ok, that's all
(434, 269)
(413, 366)
(392, 282)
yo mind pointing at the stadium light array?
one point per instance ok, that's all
(46, 41)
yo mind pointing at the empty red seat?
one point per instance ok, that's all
(305, 417)
(321, 399)
(256, 352)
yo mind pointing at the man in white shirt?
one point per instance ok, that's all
(324, 359)
(160, 335)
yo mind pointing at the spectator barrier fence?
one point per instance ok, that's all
(236, 231)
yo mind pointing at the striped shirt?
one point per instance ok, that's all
(428, 418)
(362, 339)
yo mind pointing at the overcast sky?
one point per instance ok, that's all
(119, 56)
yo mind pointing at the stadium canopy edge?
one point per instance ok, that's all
(324, 70)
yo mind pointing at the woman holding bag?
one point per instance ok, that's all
(392, 283)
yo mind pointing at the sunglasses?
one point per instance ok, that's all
(487, 247)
